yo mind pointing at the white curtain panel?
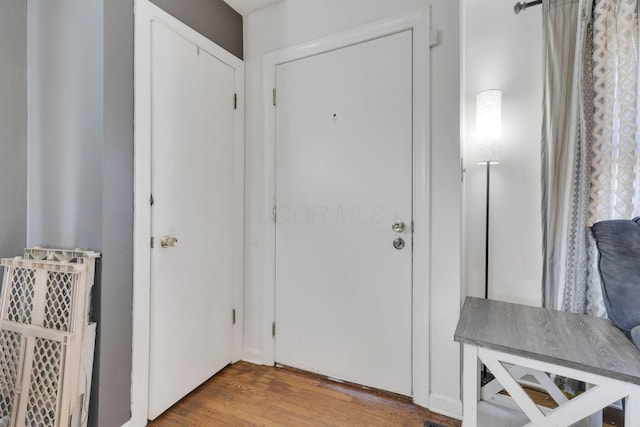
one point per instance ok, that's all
(591, 140)
(565, 153)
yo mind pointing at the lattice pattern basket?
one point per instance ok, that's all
(44, 336)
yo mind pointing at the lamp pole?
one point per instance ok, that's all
(487, 377)
(486, 239)
(488, 130)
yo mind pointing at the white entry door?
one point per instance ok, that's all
(193, 220)
(343, 179)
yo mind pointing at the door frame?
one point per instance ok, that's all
(145, 14)
(416, 20)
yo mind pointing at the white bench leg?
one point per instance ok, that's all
(632, 410)
(471, 386)
(595, 420)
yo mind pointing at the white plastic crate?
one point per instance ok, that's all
(45, 339)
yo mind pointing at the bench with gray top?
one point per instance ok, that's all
(513, 340)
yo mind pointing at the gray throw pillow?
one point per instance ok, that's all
(618, 243)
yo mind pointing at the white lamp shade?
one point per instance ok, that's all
(488, 125)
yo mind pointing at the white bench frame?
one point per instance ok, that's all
(602, 390)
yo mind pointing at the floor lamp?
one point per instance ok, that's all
(488, 130)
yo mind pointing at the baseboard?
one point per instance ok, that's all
(252, 356)
(446, 406)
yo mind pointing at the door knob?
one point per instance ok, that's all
(168, 242)
(398, 243)
(398, 226)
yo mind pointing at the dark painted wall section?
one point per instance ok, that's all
(114, 295)
(214, 19)
(13, 128)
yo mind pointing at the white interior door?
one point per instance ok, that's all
(343, 178)
(192, 184)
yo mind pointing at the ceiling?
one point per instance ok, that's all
(245, 7)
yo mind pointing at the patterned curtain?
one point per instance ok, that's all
(591, 140)
(615, 165)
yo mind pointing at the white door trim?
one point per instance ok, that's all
(417, 21)
(145, 14)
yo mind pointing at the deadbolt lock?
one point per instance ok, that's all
(398, 243)
(168, 242)
(398, 226)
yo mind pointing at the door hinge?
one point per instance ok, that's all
(273, 330)
(462, 170)
(434, 38)
(151, 200)
(235, 101)
(274, 213)
(274, 96)
(412, 226)
(233, 316)
(152, 242)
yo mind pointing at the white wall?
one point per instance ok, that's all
(13, 127)
(502, 50)
(296, 21)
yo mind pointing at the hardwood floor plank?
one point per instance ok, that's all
(251, 395)
(245, 395)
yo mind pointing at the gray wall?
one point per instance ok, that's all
(212, 18)
(66, 158)
(81, 157)
(13, 127)
(65, 123)
(113, 300)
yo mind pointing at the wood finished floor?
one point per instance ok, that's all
(250, 395)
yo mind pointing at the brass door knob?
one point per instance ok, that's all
(168, 242)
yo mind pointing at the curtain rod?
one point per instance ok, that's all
(519, 7)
